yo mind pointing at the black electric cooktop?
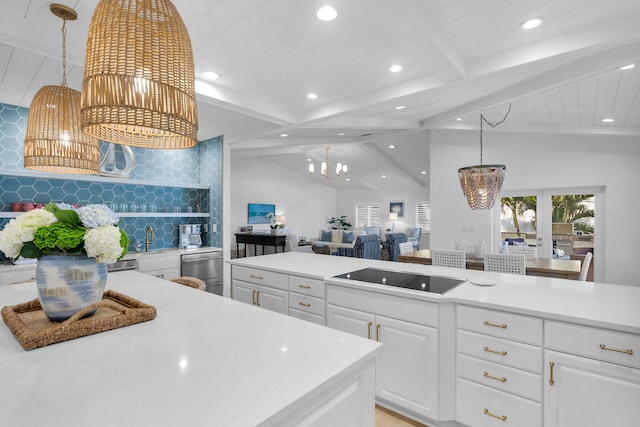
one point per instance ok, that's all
(419, 282)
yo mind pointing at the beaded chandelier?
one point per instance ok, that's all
(481, 184)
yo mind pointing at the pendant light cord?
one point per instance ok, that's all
(482, 119)
(64, 53)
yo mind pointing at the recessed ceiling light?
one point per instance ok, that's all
(209, 75)
(530, 24)
(628, 67)
(312, 96)
(423, 172)
(341, 134)
(384, 176)
(392, 146)
(395, 68)
(348, 179)
(284, 135)
(326, 13)
(309, 160)
(401, 107)
(459, 119)
(608, 120)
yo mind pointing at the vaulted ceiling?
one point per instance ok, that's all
(459, 58)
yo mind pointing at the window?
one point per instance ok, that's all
(367, 214)
(423, 216)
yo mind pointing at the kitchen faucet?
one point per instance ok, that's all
(147, 242)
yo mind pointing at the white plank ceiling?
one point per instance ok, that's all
(460, 58)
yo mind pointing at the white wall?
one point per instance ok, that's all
(306, 205)
(542, 162)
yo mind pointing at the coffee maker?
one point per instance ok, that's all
(190, 236)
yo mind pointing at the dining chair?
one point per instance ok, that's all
(405, 248)
(448, 258)
(584, 270)
(192, 282)
(530, 252)
(505, 263)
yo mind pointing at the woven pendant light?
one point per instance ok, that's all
(139, 84)
(54, 141)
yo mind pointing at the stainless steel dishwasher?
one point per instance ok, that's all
(207, 266)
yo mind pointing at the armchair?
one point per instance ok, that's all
(413, 236)
(393, 241)
(366, 246)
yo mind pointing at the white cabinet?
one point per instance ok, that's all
(163, 265)
(499, 367)
(265, 289)
(592, 377)
(307, 299)
(407, 367)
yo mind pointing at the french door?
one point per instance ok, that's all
(559, 222)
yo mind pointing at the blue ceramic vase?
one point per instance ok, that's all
(68, 283)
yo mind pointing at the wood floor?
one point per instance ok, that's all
(387, 418)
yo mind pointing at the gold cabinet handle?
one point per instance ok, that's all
(369, 325)
(619, 350)
(253, 297)
(378, 332)
(304, 286)
(253, 276)
(500, 417)
(257, 297)
(501, 353)
(551, 365)
(495, 325)
(501, 379)
(304, 304)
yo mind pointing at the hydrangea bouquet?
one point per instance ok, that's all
(90, 230)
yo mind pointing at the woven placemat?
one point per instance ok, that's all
(33, 329)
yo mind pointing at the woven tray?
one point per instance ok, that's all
(33, 329)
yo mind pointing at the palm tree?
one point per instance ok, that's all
(569, 209)
(518, 206)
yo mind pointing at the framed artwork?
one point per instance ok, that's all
(397, 207)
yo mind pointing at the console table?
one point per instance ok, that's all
(263, 240)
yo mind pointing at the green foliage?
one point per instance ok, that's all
(124, 243)
(340, 222)
(64, 215)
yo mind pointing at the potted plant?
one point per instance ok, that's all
(73, 247)
(339, 223)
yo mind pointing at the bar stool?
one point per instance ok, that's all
(192, 282)
(448, 258)
(505, 263)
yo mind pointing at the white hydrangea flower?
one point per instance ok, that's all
(21, 229)
(103, 243)
(97, 216)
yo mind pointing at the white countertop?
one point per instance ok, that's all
(597, 304)
(204, 360)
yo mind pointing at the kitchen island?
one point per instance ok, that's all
(536, 351)
(204, 360)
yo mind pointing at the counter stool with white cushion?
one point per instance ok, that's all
(448, 258)
(192, 282)
(585, 267)
(530, 252)
(505, 263)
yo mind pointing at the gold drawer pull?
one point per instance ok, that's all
(501, 353)
(503, 379)
(378, 332)
(500, 417)
(619, 350)
(369, 325)
(304, 286)
(304, 304)
(495, 325)
(256, 277)
(551, 365)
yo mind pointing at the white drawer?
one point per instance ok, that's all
(477, 405)
(500, 324)
(306, 303)
(304, 285)
(314, 318)
(260, 277)
(600, 344)
(502, 352)
(500, 377)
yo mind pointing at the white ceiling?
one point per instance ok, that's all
(460, 58)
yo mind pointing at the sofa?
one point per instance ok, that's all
(335, 239)
(366, 246)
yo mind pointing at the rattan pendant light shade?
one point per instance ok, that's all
(139, 83)
(54, 141)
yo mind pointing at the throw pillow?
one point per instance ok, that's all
(347, 236)
(326, 236)
(336, 236)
